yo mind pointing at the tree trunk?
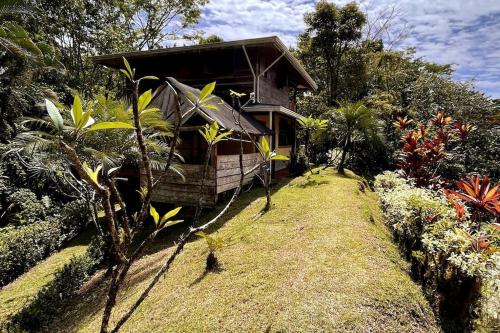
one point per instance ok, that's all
(345, 150)
(268, 192)
(199, 206)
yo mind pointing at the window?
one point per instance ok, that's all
(285, 135)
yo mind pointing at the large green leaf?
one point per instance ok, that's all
(206, 91)
(276, 157)
(170, 214)
(154, 214)
(110, 125)
(93, 174)
(129, 69)
(77, 111)
(54, 115)
(144, 100)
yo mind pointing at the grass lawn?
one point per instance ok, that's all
(320, 260)
(14, 295)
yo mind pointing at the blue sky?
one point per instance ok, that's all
(465, 33)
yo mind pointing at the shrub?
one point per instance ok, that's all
(28, 209)
(21, 248)
(457, 262)
(298, 163)
(54, 296)
(74, 216)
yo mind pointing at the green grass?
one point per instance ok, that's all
(16, 294)
(319, 260)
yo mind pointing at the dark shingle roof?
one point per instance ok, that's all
(224, 115)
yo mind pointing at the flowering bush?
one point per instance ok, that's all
(452, 255)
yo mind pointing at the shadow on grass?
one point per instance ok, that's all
(95, 290)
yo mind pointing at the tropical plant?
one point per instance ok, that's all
(212, 136)
(214, 243)
(354, 122)
(479, 193)
(331, 31)
(423, 149)
(311, 126)
(267, 156)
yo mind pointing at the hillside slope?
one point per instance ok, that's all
(320, 260)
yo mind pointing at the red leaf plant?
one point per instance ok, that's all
(480, 194)
(457, 205)
(423, 149)
(402, 123)
(463, 129)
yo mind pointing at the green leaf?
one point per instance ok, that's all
(264, 147)
(86, 120)
(77, 111)
(126, 74)
(222, 136)
(154, 214)
(144, 100)
(54, 115)
(206, 91)
(149, 77)
(236, 94)
(129, 69)
(93, 174)
(276, 157)
(211, 107)
(171, 223)
(110, 125)
(170, 214)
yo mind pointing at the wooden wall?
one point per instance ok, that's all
(173, 190)
(228, 170)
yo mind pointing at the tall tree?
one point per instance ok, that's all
(331, 31)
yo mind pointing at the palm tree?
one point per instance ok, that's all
(17, 41)
(354, 122)
(311, 125)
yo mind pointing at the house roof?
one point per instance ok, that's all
(115, 60)
(224, 115)
(256, 108)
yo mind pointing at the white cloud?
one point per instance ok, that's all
(463, 32)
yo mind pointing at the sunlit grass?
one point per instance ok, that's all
(319, 260)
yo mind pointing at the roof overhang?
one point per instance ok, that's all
(115, 60)
(259, 108)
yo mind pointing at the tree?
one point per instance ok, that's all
(330, 32)
(84, 28)
(354, 122)
(22, 60)
(209, 39)
(156, 21)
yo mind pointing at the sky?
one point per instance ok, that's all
(464, 33)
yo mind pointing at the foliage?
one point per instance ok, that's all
(53, 297)
(455, 259)
(214, 243)
(478, 193)
(330, 32)
(209, 39)
(21, 248)
(81, 29)
(354, 123)
(424, 148)
(313, 129)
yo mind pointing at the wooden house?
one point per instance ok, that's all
(262, 68)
